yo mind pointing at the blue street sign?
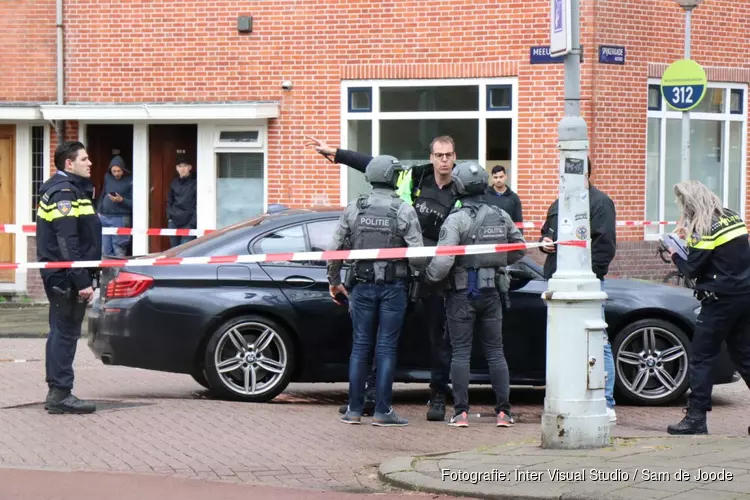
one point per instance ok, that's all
(541, 55)
(611, 54)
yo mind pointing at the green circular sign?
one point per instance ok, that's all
(684, 84)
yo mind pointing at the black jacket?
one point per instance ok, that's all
(603, 233)
(508, 201)
(67, 229)
(182, 202)
(719, 262)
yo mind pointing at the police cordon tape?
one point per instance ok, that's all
(128, 231)
(370, 254)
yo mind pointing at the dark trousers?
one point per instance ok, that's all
(726, 319)
(484, 315)
(440, 342)
(65, 320)
(375, 309)
(178, 240)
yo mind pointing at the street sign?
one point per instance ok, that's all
(684, 84)
(560, 35)
(609, 54)
(540, 55)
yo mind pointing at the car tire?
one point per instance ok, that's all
(200, 376)
(231, 373)
(667, 364)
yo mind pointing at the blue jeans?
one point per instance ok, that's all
(115, 245)
(609, 369)
(371, 305)
(178, 240)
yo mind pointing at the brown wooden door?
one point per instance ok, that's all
(103, 142)
(7, 198)
(166, 142)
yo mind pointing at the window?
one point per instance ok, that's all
(239, 187)
(717, 151)
(321, 234)
(401, 118)
(290, 239)
(37, 166)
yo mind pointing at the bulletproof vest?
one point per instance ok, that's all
(433, 205)
(376, 226)
(487, 228)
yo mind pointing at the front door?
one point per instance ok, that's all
(7, 198)
(166, 143)
(104, 142)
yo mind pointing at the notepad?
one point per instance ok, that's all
(673, 242)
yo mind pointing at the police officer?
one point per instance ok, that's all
(430, 189)
(379, 288)
(67, 229)
(718, 258)
(479, 287)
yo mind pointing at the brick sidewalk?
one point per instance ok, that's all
(167, 424)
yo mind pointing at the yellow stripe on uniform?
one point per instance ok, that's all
(723, 236)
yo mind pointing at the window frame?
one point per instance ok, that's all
(727, 117)
(482, 114)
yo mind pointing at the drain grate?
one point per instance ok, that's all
(101, 405)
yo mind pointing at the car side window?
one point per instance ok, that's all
(321, 234)
(289, 239)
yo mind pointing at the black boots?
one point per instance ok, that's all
(62, 401)
(693, 423)
(436, 412)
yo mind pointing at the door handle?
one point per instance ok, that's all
(299, 281)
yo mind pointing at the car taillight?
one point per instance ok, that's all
(127, 285)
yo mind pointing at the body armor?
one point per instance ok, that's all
(376, 226)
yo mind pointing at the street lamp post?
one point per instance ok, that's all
(688, 6)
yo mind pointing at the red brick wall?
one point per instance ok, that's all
(27, 33)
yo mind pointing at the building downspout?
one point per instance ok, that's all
(60, 124)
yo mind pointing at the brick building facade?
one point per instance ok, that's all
(154, 79)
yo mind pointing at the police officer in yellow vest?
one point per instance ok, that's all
(718, 258)
(67, 229)
(478, 285)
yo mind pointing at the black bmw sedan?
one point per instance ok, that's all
(245, 331)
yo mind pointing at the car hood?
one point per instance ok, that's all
(654, 294)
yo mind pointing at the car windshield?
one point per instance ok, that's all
(255, 221)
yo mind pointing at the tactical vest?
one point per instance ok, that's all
(433, 205)
(487, 228)
(376, 226)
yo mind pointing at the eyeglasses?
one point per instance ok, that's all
(440, 156)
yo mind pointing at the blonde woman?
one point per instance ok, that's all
(719, 260)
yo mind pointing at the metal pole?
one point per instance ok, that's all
(685, 166)
(575, 411)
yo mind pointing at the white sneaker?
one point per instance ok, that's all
(612, 415)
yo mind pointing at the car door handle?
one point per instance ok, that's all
(299, 281)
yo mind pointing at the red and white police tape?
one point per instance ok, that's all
(372, 254)
(128, 231)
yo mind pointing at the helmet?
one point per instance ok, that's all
(383, 169)
(469, 178)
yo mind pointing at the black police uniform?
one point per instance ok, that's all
(67, 229)
(433, 205)
(720, 264)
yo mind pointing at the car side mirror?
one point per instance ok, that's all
(519, 278)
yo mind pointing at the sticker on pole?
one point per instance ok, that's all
(684, 84)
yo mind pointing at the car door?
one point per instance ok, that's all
(326, 327)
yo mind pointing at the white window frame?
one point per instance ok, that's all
(726, 117)
(260, 146)
(482, 115)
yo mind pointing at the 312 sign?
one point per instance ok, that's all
(683, 85)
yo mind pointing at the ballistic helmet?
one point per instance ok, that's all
(383, 169)
(469, 178)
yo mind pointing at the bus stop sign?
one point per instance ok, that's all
(684, 84)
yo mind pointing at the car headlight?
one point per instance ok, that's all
(697, 310)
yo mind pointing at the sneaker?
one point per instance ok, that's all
(436, 412)
(505, 419)
(693, 423)
(612, 415)
(351, 418)
(368, 410)
(459, 420)
(390, 419)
